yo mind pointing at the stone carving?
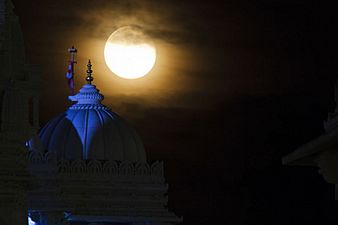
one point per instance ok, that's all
(94, 167)
(50, 157)
(142, 169)
(104, 167)
(111, 167)
(78, 166)
(126, 168)
(157, 169)
(35, 157)
(63, 166)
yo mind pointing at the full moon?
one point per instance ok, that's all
(129, 53)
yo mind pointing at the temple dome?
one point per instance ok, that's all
(89, 130)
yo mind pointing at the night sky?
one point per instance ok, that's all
(237, 85)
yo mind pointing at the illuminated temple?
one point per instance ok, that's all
(86, 166)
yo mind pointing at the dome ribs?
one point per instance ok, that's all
(91, 131)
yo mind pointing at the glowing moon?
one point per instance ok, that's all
(129, 53)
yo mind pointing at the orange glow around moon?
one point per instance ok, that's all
(129, 53)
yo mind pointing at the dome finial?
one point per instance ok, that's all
(89, 77)
(88, 94)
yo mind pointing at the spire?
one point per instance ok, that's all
(88, 95)
(89, 77)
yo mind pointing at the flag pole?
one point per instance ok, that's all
(70, 73)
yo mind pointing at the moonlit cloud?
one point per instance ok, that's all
(89, 24)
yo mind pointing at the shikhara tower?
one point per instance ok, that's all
(86, 166)
(19, 118)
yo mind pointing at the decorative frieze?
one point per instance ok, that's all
(96, 167)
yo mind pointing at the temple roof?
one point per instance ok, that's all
(90, 130)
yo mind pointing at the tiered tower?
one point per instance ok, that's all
(19, 117)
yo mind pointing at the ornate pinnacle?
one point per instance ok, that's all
(89, 77)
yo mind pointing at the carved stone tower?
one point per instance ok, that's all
(18, 119)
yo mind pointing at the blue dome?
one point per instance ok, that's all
(90, 130)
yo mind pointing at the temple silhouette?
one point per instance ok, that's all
(86, 166)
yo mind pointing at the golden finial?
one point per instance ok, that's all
(89, 77)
